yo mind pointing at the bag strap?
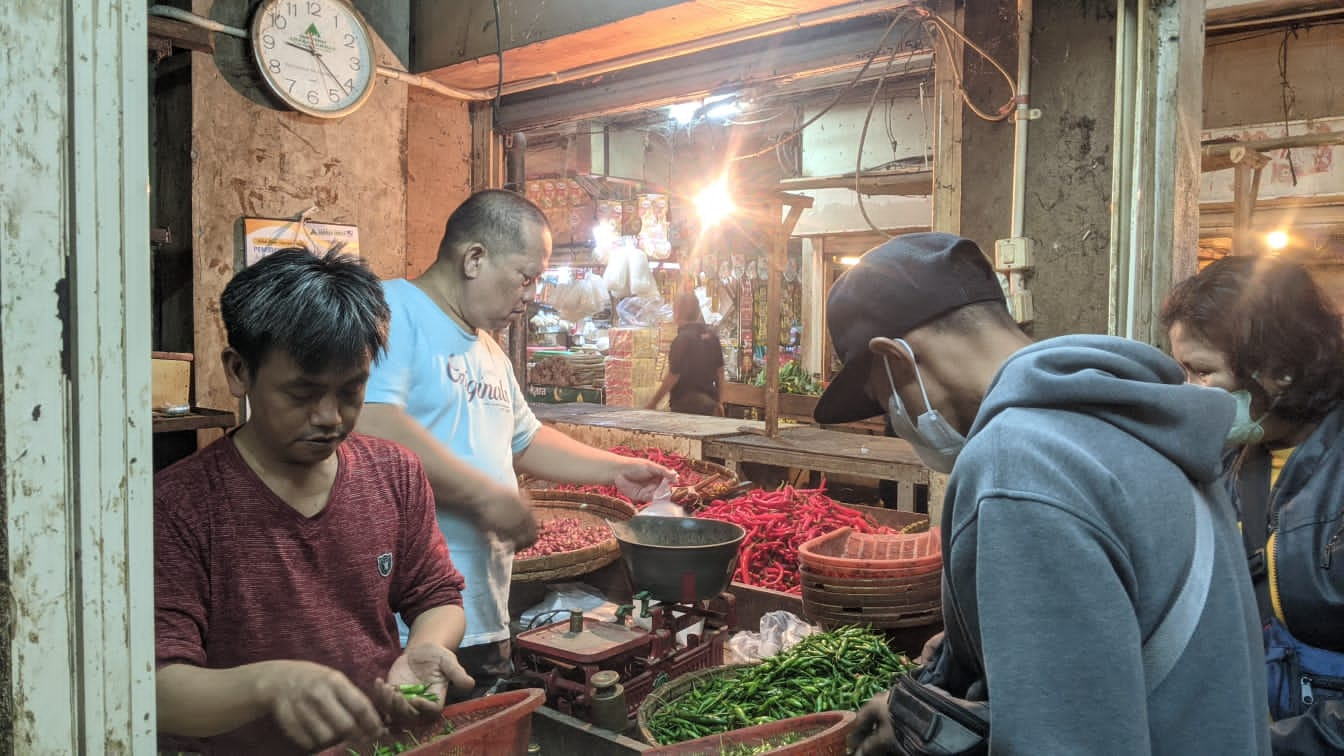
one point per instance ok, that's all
(1168, 641)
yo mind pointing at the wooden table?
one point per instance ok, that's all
(836, 452)
(604, 427)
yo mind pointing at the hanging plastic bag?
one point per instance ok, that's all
(641, 276)
(617, 273)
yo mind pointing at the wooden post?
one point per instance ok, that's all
(778, 259)
(1245, 191)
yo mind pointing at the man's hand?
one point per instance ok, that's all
(317, 706)
(509, 516)
(873, 734)
(426, 664)
(931, 647)
(639, 478)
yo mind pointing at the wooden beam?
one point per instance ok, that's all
(1314, 139)
(917, 182)
(946, 179)
(179, 34)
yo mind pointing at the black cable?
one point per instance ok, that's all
(499, 50)
(834, 100)
(1287, 95)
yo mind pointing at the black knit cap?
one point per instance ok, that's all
(893, 289)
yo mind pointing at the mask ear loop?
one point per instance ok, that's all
(918, 378)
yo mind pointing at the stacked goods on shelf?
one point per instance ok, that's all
(629, 366)
(778, 523)
(566, 206)
(573, 369)
(887, 580)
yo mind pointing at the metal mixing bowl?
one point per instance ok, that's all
(679, 559)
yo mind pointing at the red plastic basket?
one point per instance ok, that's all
(817, 735)
(846, 553)
(499, 724)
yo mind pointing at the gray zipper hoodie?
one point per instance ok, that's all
(1068, 532)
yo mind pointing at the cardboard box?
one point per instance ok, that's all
(170, 380)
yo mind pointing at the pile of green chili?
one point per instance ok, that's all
(833, 671)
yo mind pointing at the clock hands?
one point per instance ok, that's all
(311, 49)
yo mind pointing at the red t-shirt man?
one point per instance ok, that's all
(242, 577)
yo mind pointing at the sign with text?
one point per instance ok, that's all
(263, 236)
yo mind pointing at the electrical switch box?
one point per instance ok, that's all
(1019, 304)
(1017, 253)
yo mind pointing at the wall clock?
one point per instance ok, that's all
(315, 55)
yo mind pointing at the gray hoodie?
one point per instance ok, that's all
(1069, 533)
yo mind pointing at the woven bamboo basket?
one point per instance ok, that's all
(675, 689)
(590, 509)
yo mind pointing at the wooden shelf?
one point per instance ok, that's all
(198, 418)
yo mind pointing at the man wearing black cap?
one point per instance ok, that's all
(1071, 516)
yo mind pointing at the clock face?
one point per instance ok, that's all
(316, 55)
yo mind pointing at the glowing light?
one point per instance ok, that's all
(849, 261)
(724, 110)
(714, 203)
(683, 112)
(1276, 240)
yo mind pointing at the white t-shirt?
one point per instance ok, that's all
(461, 387)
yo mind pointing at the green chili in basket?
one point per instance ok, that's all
(836, 670)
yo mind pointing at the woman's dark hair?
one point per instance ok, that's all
(686, 309)
(322, 311)
(1271, 320)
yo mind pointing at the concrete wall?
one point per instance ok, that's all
(250, 159)
(1243, 84)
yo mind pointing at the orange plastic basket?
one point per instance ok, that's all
(846, 553)
(499, 724)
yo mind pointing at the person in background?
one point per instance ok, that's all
(1080, 469)
(695, 373)
(284, 550)
(1261, 329)
(447, 391)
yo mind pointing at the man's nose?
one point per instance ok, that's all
(326, 413)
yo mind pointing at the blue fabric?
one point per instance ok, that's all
(1298, 674)
(460, 386)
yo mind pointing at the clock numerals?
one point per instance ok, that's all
(349, 84)
(314, 9)
(354, 64)
(278, 21)
(312, 97)
(292, 82)
(334, 95)
(349, 40)
(274, 65)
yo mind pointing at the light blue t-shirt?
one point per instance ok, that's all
(460, 386)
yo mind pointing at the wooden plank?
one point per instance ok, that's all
(180, 34)
(906, 182)
(947, 99)
(199, 418)
(825, 451)
(777, 255)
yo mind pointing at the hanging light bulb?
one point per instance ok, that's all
(714, 203)
(1276, 240)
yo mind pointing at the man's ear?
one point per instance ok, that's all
(473, 260)
(236, 372)
(881, 346)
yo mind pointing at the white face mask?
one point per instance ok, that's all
(935, 440)
(1245, 431)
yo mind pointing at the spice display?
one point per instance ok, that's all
(836, 670)
(777, 523)
(564, 534)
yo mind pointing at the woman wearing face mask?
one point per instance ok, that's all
(1261, 329)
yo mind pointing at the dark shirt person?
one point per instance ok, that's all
(695, 373)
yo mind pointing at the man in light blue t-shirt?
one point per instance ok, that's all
(446, 391)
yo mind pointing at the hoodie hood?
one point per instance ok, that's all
(1128, 384)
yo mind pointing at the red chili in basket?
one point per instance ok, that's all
(777, 523)
(686, 475)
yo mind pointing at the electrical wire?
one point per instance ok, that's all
(943, 28)
(863, 136)
(790, 136)
(1287, 94)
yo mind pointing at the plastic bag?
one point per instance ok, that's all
(780, 630)
(641, 275)
(642, 312)
(563, 597)
(617, 273)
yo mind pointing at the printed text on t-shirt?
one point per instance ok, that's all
(493, 392)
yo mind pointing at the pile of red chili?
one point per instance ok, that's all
(777, 523)
(686, 475)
